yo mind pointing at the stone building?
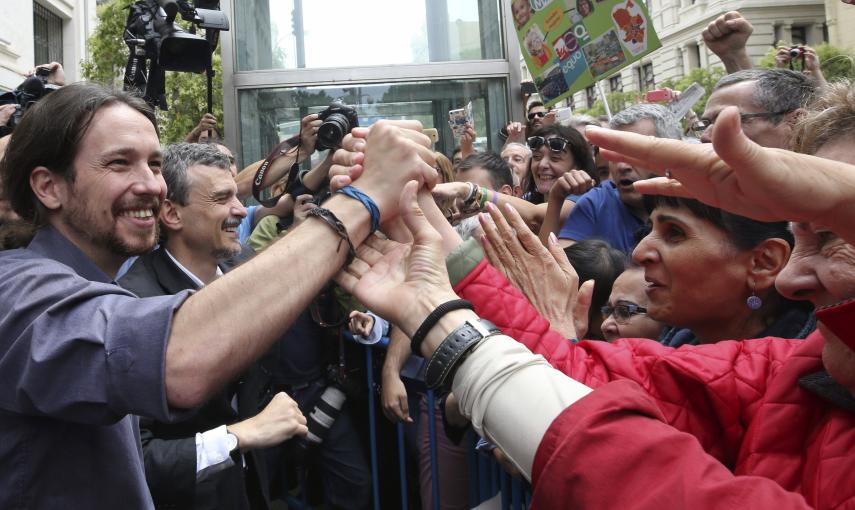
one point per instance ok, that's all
(679, 24)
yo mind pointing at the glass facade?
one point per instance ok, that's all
(390, 59)
(311, 34)
(268, 116)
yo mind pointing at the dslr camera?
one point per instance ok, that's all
(338, 119)
(26, 94)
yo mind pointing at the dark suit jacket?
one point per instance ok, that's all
(169, 449)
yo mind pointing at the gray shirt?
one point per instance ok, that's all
(78, 355)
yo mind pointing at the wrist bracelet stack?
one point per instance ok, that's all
(454, 349)
(456, 346)
(471, 197)
(432, 319)
(338, 227)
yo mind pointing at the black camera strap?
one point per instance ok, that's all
(264, 194)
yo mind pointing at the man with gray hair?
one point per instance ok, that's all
(770, 102)
(614, 211)
(198, 463)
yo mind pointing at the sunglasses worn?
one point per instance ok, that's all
(539, 115)
(555, 144)
(623, 312)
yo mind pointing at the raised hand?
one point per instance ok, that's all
(383, 158)
(543, 274)
(400, 282)
(207, 122)
(726, 36)
(279, 421)
(574, 182)
(516, 132)
(360, 323)
(309, 133)
(739, 176)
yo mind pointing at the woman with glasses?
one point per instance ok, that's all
(559, 155)
(625, 313)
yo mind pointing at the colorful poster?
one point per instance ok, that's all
(570, 44)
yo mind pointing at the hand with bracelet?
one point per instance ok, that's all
(406, 283)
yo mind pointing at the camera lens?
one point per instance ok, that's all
(795, 52)
(332, 131)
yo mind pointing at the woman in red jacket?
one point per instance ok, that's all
(752, 424)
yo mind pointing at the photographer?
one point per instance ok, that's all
(810, 63)
(40, 81)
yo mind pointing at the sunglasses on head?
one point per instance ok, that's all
(555, 144)
(539, 115)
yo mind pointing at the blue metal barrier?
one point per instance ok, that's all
(487, 478)
(372, 427)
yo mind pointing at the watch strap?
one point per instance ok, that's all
(454, 349)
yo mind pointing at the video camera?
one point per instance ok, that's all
(26, 94)
(152, 35)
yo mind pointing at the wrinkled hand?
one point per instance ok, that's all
(360, 323)
(207, 122)
(396, 281)
(302, 205)
(279, 421)
(574, 182)
(736, 174)
(542, 274)
(6, 112)
(393, 395)
(727, 34)
(309, 133)
(516, 132)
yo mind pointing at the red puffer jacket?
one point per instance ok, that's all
(697, 427)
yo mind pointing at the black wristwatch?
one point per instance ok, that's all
(454, 349)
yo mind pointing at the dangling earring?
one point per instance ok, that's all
(754, 302)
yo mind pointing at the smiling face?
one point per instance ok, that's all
(210, 219)
(629, 289)
(695, 277)
(521, 10)
(547, 166)
(109, 210)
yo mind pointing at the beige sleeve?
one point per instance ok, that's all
(511, 396)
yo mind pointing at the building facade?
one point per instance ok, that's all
(679, 24)
(417, 59)
(840, 20)
(43, 31)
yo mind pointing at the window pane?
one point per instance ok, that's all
(289, 34)
(47, 35)
(268, 116)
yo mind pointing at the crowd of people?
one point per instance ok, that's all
(640, 311)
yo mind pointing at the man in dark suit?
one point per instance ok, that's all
(213, 459)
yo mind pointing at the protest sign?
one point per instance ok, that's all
(571, 44)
